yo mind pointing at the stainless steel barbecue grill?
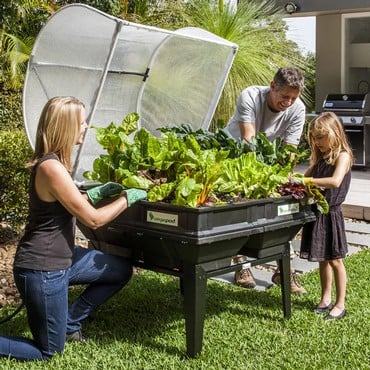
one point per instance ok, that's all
(354, 112)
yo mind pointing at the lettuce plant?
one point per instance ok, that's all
(188, 168)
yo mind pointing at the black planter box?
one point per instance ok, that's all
(198, 243)
(171, 235)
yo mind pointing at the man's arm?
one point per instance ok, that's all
(247, 130)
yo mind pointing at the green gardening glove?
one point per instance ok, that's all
(306, 181)
(134, 195)
(108, 190)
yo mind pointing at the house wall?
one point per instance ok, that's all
(319, 7)
(342, 56)
(340, 60)
(328, 57)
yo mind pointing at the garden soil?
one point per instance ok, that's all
(8, 245)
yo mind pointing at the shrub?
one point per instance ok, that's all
(10, 110)
(15, 151)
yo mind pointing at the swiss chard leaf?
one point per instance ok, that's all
(192, 168)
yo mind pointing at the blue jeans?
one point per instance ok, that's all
(45, 295)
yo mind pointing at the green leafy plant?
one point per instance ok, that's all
(272, 152)
(266, 151)
(317, 197)
(11, 111)
(14, 177)
(310, 192)
(189, 168)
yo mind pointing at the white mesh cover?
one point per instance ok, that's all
(117, 67)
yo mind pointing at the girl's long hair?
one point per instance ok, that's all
(328, 124)
(58, 130)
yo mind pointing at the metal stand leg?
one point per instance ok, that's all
(284, 266)
(194, 285)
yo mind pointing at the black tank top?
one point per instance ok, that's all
(48, 241)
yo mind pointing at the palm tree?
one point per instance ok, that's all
(255, 25)
(20, 24)
(259, 31)
(16, 52)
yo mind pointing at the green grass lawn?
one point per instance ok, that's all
(142, 327)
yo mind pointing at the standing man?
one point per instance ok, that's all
(275, 110)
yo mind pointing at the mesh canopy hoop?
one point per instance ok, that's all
(118, 67)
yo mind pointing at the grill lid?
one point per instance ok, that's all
(347, 103)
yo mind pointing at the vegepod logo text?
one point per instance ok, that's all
(162, 218)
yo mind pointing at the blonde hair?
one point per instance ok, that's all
(58, 129)
(328, 124)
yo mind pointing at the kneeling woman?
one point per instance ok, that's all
(47, 261)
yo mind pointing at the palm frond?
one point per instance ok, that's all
(258, 29)
(16, 53)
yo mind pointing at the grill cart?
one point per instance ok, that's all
(117, 67)
(353, 110)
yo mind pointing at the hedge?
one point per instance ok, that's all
(15, 151)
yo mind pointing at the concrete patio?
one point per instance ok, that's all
(357, 203)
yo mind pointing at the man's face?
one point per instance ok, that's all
(281, 99)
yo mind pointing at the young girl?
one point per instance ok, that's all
(324, 240)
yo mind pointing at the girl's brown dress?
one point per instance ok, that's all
(325, 239)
